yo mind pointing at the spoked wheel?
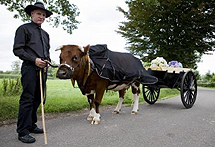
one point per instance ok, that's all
(150, 94)
(188, 89)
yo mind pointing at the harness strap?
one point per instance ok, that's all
(87, 68)
(54, 66)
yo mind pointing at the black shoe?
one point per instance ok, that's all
(27, 139)
(37, 130)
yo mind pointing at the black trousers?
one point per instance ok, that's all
(30, 98)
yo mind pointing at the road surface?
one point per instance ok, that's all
(165, 124)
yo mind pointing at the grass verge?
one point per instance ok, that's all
(62, 97)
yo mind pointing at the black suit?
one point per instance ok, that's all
(29, 44)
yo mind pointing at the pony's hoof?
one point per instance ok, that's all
(94, 122)
(90, 118)
(116, 112)
(134, 112)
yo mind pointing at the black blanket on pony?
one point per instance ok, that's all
(118, 67)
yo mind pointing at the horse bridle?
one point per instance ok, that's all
(70, 67)
(63, 64)
(73, 68)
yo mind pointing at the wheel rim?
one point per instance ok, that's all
(188, 89)
(150, 94)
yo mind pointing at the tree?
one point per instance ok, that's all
(16, 66)
(181, 30)
(64, 13)
(208, 77)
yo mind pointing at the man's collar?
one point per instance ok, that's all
(35, 24)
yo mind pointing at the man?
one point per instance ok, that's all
(31, 44)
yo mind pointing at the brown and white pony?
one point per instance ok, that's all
(75, 65)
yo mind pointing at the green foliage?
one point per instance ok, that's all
(174, 29)
(211, 85)
(209, 76)
(64, 13)
(197, 75)
(9, 75)
(52, 71)
(207, 80)
(9, 87)
(8, 107)
(213, 78)
(3, 75)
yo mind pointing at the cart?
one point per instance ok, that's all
(182, 79)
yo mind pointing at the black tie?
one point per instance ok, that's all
(43, 44)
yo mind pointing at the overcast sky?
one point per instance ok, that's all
(99, 21)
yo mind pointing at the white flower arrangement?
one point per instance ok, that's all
(159, 62)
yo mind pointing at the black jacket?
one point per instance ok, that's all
(28, 44)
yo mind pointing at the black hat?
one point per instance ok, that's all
(37, 5)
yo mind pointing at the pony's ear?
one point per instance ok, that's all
(86, 49)
(59, 48)
(81, 49)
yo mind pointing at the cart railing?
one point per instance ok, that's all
(169, 69)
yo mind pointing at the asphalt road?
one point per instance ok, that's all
(165, 124)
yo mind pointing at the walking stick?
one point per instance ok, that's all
(42, 107)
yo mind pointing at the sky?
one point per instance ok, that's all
(99, 22)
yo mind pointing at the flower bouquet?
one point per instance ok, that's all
(158, 63)
(175, 64)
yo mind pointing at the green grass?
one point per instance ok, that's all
(8, 107)
(63, 97)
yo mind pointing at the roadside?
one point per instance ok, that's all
(64, 114)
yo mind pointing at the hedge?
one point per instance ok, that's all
(10, 76)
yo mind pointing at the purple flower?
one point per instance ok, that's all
(175, 64)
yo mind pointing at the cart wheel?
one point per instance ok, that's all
(150, 94)
(188, 89)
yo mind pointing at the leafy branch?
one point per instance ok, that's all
(64, 13)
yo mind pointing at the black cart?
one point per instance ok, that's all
(182, 79)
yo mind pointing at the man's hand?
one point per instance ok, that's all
(40, 63)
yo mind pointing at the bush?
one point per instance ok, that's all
(9, 107)
(207, 80)
(206, 84)
(10, 87)
(10, 76)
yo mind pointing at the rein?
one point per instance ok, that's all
(49, 63)
(87, 69)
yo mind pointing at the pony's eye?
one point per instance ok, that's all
(75, 58)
